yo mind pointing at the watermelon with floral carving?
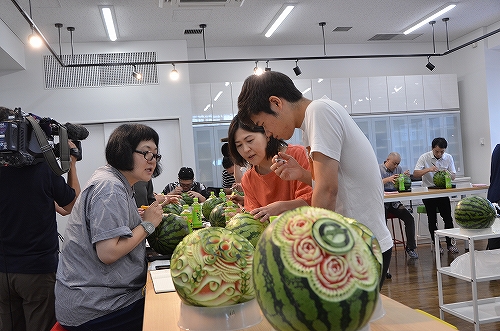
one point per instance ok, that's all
(213, 267)
(316, 270)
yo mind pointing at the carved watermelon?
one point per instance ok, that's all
(170, 232)
(406, 181)
(316, 270)
(475, 212)
(247, 226)
(213, 267)
(439, 179)
(187, 200)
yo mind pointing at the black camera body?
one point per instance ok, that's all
(21, 139)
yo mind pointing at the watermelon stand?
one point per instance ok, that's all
(225, 318)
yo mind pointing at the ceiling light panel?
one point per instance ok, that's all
(279, 18)
(109, 21)
(432, 16)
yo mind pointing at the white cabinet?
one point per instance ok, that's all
(432, 92)
(341, 92)
(396, 93)
(414, 93)
(379, 102)
(201, 102)
(235, 92)
(222, 101)
(304, 86)
(377, 130)
(449, 91)
(321, 87)
(360, 95)
(478, 310)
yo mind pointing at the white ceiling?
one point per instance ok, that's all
(234, 25)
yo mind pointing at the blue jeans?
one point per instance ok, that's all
(128, 318)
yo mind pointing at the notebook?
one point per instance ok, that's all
(162, 281)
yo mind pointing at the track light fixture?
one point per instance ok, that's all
(34, 38)
(137, 75)
(322, 25)
(433, 39)
(445, 20)
(296, 69)
(256, 70)
(174, 74)
(267, 66)
(429, 65)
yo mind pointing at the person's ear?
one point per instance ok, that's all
(275, 100)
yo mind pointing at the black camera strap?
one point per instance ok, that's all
(47, 151)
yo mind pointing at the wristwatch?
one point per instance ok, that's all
(148, 227)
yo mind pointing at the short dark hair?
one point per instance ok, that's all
(227, 162)
(273, 145)
(186, 173)
(256, 90)
(124, 140)
(5, 113)
(225, 149)
(439, 142)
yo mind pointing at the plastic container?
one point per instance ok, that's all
(226, 318)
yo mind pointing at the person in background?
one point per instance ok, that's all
(187, 184)
(390, 171)
(494, 189)
(143, 193)
(227, 175)
(265, 193)
(344, 170)
(427, 164)
(29, 242)
(102, 270)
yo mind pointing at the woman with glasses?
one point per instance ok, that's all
(102, 267)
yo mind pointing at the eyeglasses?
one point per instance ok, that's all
(149, 156)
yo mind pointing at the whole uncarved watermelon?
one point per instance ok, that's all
(209, 204)
(439, 179)
(168, 234)
(316, 270)
(475, 212)
(247, 226)
(213, 267)
(187, 199)
(406, 181)
(172, 208)
(217, 216)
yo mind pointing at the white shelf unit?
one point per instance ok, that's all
(477, 311)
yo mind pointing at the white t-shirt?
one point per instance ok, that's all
(427, 160)
(330, 130)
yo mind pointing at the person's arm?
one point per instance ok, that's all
(421, 172)
(287, 168)
(276, 208)
(110, 250)
(73, 182)
(325, 181)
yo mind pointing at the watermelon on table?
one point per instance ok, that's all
(168, 234)
(406, 181)
(209, 204)
(475, 212)
(172, 208)
(439, 179)
(247, 226)
(188, 200)
(217, 216)
(212, 267)
(315, 270)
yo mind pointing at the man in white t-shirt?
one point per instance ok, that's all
(427, 164)
(345, 174)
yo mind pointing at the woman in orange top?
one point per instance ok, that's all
(266, 194)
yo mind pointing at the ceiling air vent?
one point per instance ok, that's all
(342, 29)
(393, 36)
(193, 31)
(200, 3)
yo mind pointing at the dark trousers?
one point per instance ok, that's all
(403, 213)
(386, 260)
(128, 318)
(27, 302)
(443, 205)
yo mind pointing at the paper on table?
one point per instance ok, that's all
(162, 281)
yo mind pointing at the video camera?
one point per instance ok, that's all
(24, 140)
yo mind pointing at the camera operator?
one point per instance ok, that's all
(29, 242)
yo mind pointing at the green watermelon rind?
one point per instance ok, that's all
(439, 179)
(247, 226)
(209, 204)
(168, 234)
(287, 296)
(217, 218)
(172, 208)
(475, 212)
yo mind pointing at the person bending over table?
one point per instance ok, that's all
(390, 171)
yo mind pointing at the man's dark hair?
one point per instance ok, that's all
(124, 141)
(439, 142)
(5, 113)
(256, 90)
(273, 145)
(186, 173)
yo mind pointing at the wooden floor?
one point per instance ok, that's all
(414, 283)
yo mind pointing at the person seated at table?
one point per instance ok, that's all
(427, 164)
(266, 194)
(187, 184)
(390, 171)
(494, 189)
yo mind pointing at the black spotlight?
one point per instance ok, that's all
(429, 65)
(267, 66)
(297, 69)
